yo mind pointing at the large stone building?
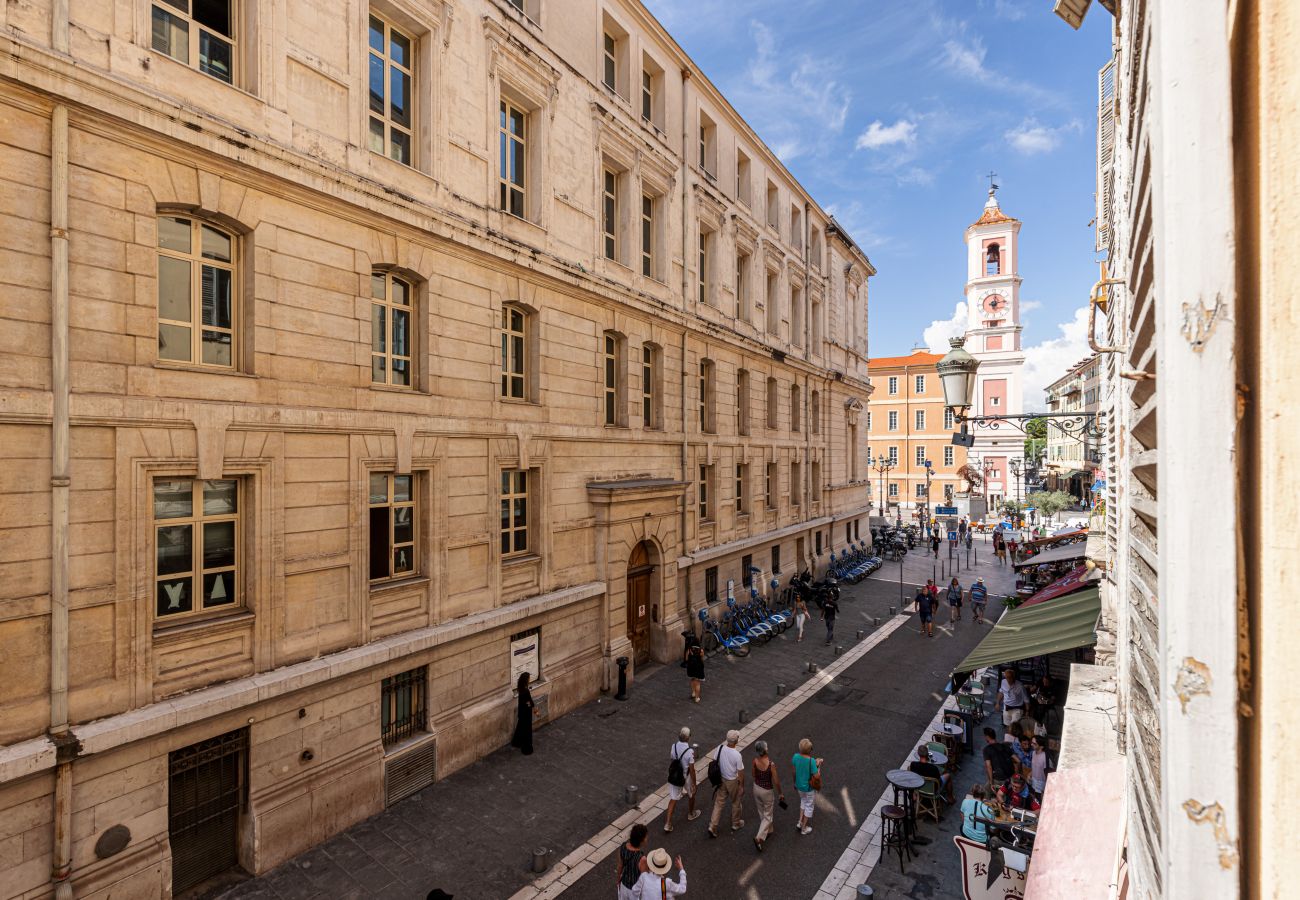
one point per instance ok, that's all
(355, 358)
(907, 426)
(1073, 456)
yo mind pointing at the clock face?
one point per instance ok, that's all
(994, 302)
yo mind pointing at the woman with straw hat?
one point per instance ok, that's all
(654, 883)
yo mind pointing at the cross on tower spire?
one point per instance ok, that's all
(993, 185)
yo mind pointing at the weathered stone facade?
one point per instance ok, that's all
(284, 636)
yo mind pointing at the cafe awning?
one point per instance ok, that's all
(1063, 624)
(1078, 579)
(1062, 553)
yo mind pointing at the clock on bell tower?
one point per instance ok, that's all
(993, 280)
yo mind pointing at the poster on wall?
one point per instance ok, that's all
(1008, 884)
(525, 656)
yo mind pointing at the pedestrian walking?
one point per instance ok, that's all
(730, 786)
(925, 611)
(681, 778)
(631, 861)
(800, 617)
(523, 736)
(807, 781)
(654, 883)
(830, 607)
(970, 538)
(1011, 698)
(979, 597)
(767, 789)
(695, 670)
(1011, 550)
(934, 544)
(954, 600)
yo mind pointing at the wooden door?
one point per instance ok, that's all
(638, 604)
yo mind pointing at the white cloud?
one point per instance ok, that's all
(878, 134)
(1029, 306)
(966, 58)
(1048, 361)
(1030, 137)
(938, 332)
(1007, 9)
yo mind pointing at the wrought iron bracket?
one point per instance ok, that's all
(1082, 426)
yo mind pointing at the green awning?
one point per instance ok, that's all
(1061, 624)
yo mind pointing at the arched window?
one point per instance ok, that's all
(993, 261)
(391, 304)
(197, 285)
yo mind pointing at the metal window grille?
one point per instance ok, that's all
(403, 705)
(207, 788)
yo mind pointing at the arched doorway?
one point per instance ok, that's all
(640, 600)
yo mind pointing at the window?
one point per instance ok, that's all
(705, 495)
(919, 384)
(773, 307)
(647, 236)
(746, 576)
(817, 543)
(390, 330)
(853, 452)
(708, 149)
(402, 705)
(771, 403)
(613, 377)
(392, 526)
(514, 512)
(742, 287)
(649, 386)
(920, 491)
(893, 420)
(948, 420)
(197, 312)
(773, 207)
(652, 92)
(948, 493)
(796, 484)
(705, 260)
(995, 401)
(815, 413)
(742, 401)
(742, 490)
(610, 59)
(769, 485)
(893, 455)
(647, 95)
(893, 384)
(893, 489)
(514, 353)
(197, 545)
(796, 316)
(868, 423)
(795, 407)
(948, 456)
(993, 260)
(815, 474)
(815, 324)
(392, 116)
(920, 455)
(920, 420)
(776, 559)
(711, 585)
(609, 213)
(742, 177)
(202, 33)
(513, 147)
(707, 388)
(796, 227)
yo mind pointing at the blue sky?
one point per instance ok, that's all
(891, 114)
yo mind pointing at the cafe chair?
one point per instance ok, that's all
(929, 799)
(893, 834)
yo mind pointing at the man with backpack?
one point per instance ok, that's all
(830, 607)
(727, 775)
(681, 778)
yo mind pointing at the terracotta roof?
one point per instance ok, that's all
(916, 358)
(993, 216)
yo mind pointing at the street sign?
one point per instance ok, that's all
(945, 510)
(952, 536)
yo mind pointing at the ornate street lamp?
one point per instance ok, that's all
(882, 464)
(1014, 465)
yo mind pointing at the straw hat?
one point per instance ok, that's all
(658, 861)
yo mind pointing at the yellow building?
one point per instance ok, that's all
(907, 425)
(355, 358)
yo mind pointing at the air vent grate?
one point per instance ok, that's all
(410, 771)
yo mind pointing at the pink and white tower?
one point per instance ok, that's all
(993, 337)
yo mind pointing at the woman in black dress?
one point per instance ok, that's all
(523, 738)
(695, 670)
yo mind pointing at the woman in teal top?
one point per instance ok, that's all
(971, 807)
(805, 767)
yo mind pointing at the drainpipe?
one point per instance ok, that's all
(685, 451)
(65, 743)
(808, 357)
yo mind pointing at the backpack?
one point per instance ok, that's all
(715, 770)
(676, 771)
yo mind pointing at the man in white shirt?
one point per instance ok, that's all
(654, 883)
(1011, 698)
(682, 750)
(732, 765)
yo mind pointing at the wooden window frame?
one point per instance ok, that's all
(770, 476)
(194, 37)
(510, 500)
(511, 144)
(391, 64)
(918, 420)
(382, 281)
(704, 497)
(609, 213)
(612, 379)
(742, 495)
(515, 363)
(196, 521)
(198, 261)
(391, 503)
(650, 371)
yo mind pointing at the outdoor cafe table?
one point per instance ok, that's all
(939, 759)
(906, 783)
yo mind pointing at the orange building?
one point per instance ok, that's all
(907, 423)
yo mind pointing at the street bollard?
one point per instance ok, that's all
(876, 621)
(539, 859)
(860, 633)
(622, 678)
(813, 668)
(839, 648)
(630, 794)
(780, 689)
(744, 716)
(893, 610)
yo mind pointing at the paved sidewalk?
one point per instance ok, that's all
(473, 833)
